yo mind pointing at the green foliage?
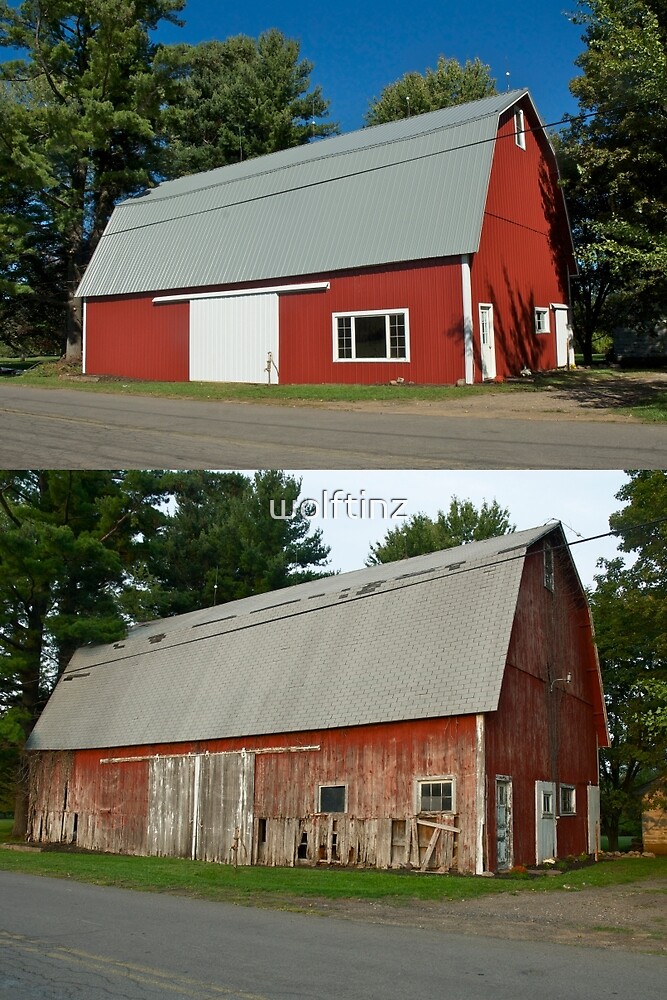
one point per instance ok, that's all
(463, 522)
(614, 167)
(237, 99)
(629, 608)
(448, 84)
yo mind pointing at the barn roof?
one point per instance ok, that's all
(408, 190)
(420, 638)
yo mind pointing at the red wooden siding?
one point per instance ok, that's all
(540, 732)
(378, 764)
(525, 252)
(430, 291)
(129, 336)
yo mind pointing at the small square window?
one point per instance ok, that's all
(567, 800)
(519, 129)
(541, 320)
(332, 798)
(436, 796)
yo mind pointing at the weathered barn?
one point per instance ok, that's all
(443, 712)
(433, 249)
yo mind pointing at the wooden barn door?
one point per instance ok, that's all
(231, 338)
(201, 806)
(503, 822)
(545, 820)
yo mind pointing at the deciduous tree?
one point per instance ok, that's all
(463, 522)
(416, 93)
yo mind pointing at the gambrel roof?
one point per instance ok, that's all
(408, 190)
(421, 638)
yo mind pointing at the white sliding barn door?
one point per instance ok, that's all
(232, 337)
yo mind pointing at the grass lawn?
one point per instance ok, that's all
(288, 887)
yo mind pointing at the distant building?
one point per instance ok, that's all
(442, 712)
(435, 249)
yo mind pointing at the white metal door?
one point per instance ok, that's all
(593, 819)
(564, 340)
(487, 343)
(545, 820)
(231, 338)
(503, 822)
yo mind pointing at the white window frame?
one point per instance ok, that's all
(371, 312)
(431, 780)
(330, 784)
(573, 798)
(519, 128)
(542, 313)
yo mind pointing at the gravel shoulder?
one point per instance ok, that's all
(631, 917)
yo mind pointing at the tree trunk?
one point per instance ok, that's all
(74, 348)
(20, 827)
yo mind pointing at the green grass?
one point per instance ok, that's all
(289, 887)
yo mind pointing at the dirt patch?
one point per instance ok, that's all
(631, 917)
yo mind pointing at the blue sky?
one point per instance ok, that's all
(359, 48)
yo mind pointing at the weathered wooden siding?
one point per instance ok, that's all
(545, 728)
(224, 803)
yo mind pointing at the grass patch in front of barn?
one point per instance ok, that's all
(293, 888)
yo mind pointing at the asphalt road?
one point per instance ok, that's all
(42, 428)
(62, 940)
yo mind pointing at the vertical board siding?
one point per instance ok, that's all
(551, 637)
(132, 337)
(231, 338)
(431, 291)
(241, 808)
(525, 252)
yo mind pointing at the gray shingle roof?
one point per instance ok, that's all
(420, 638)
(407, 190)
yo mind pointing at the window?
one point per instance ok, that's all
(567, 800)
(548, 566)
(547, 804)
(519, 129)
(332, 798)
(541, 320)
(436, 796)
(371, 336)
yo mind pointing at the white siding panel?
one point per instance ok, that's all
(231, 338)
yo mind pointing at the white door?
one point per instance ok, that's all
(545, 820)
(503, 822)
(231, 339)
(564, 337)
(486, 340)
(593, 819)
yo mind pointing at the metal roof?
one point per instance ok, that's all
(408, 190)
(421, 638)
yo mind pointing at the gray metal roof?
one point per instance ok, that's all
(408, 190)
(420, 638)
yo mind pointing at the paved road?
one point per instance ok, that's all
(61, 940)
(42, 428)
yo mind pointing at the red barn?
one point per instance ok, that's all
(434, 249)
(440, 712)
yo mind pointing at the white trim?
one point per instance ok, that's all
(480, 793)
(542, 311)
(520, 128)
(403, 310)
(84, 339)
(313, 286)
(468, 325)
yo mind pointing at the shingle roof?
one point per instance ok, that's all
(420, 638)
(407, 190)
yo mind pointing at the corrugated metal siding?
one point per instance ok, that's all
(525, 251)
(231, 338)
(430, 291)
(551, 638)
(406, 191)
(132, 337)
